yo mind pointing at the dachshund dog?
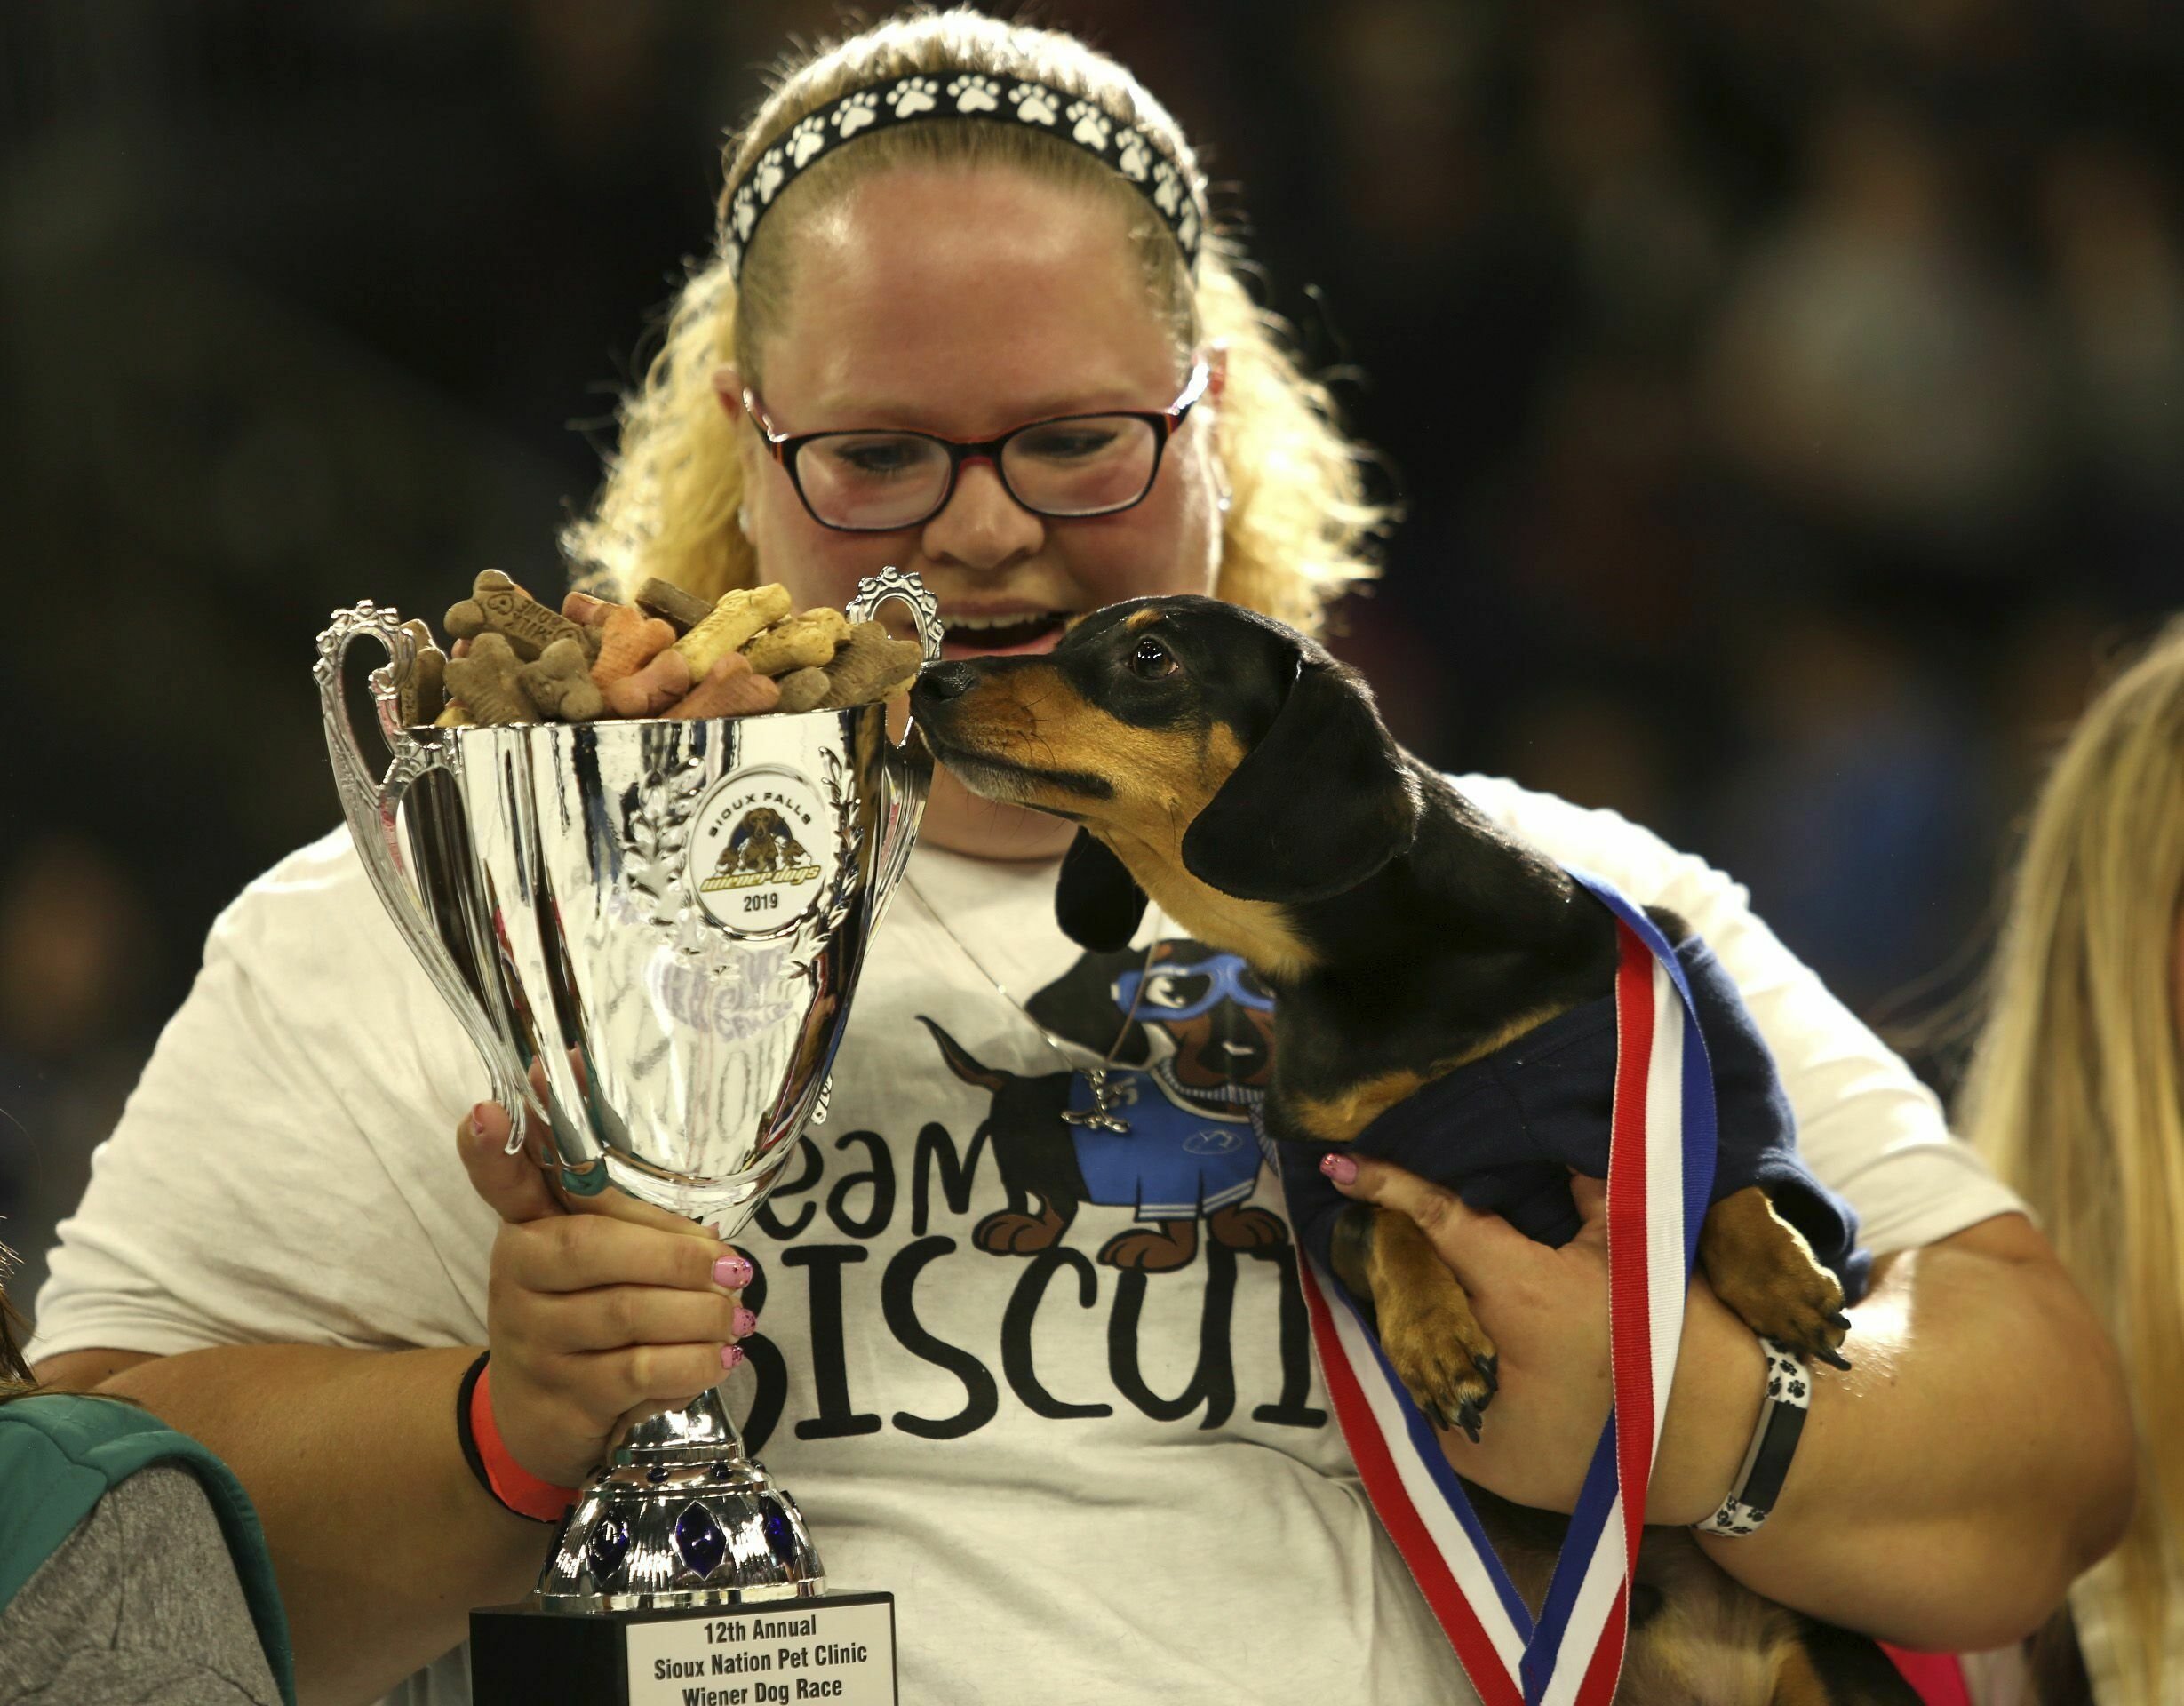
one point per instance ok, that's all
(1230, 768)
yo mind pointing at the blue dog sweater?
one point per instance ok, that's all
(1505, 1131)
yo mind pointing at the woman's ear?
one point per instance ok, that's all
(728, 386)
(1096, 901)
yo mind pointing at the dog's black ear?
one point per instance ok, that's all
(1319, 804)
(1096, 901)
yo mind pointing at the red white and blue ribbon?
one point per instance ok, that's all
(1660, 1172)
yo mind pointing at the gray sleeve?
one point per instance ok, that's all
(139, 1604)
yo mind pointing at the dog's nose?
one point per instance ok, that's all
(946, 681)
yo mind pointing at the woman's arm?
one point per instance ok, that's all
(381, 1539)
(1975, 1458)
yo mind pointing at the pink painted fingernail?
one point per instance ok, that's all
(1341, 1168)
(731, 1356)
(744, 1322)
(732, 1272)
(477, 1121)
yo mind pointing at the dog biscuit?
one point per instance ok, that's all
(680, 611)
(497, 605)
(484, 679)
(802, 690)
(731, 688)
(870, 666)
(739, 615)
(628, 640)
(560, 683)
(453, 716)
(798, 642)
(420, 691)
(651, 689)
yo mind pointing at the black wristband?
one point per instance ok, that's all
(1774, 1441)
(462, 1423)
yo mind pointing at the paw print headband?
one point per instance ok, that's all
(1130, 151)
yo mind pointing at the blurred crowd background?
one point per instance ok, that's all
(1787, 402)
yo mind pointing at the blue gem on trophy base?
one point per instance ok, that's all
(651, 931)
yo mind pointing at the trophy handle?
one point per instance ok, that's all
(371, 809)
(909, 762)
(875, 590)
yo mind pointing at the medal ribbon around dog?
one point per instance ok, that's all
(1659, 1174)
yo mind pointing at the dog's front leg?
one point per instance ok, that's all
(1434, 1342)
(1760, 1266)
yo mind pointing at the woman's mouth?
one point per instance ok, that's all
(1013, 631)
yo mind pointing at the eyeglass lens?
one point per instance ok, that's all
(1085, 466)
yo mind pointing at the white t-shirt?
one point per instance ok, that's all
(1081, 1483)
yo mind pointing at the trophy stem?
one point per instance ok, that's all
(703, 1425)
(680, 1517)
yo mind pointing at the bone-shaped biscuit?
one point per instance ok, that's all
(560, 683)
(680, 611)
(738, 615)
(870, 666)
(497, 605)
(803, 642)
(628, 640)
(651, 689)
(731, 688)
(420, 691)
(802, 690)
(484, 679)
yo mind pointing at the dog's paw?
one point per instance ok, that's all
(1006, 1232)
(1760, 1266)
(1238, 1228)
(1159, 1249)
(1443, 1358)
(1811, 1322)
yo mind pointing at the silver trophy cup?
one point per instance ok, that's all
(651, 931)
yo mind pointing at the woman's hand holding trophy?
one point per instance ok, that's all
(597, 1321)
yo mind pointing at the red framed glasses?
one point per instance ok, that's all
(1066, 467)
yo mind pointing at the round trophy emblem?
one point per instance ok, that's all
(761, 850)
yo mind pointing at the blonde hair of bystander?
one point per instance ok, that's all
(2076, 1096)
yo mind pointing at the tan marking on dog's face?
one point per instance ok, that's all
(1140, 620)
(1338, 1119)
(1160, 779)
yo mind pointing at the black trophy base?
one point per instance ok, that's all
(837, 1648)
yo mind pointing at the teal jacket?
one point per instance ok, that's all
(60, 1454)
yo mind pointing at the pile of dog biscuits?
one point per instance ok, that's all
(668, 653)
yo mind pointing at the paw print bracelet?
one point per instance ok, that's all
(1774, 1441)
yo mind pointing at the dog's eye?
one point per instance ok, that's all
(1152, 659)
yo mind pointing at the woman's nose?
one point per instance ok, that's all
(981, 526)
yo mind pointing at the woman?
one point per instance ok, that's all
(2076, 1095)
(936, 233)
(131, 1567)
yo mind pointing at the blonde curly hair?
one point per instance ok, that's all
(1300, 528)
